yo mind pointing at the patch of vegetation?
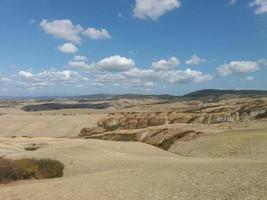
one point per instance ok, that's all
(112, 127)
(262, 115)
(109, 124)
(33, 148)
(26, 168)
(91, 131)
(25, 136)
(216, 95)
(60, 106)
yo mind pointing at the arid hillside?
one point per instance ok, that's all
(139, 148)
(96, 169)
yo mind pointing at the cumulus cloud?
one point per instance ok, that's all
(66, 30)
(4, 79)
(261, 6)
(232, 2)
(188, 76)
(166, 65)
(110, 78)
(120, 80)
(112, 64)
(143, 74)
(115, 64)
(122, 72)
(153, 9)
(249, 78)
(4, 83)
(241, 67)
(68, 48)
(96, 34)
(118, 69)
(48, 78)
(195, 60)
(149, 84)
(80, 58)
(178, 76)
(62, 29)
(113, 71)
(25, 74)
(81, 64)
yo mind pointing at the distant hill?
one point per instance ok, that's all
(126, 96)
(203, 95)
(224, 94)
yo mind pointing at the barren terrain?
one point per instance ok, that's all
(141, 149)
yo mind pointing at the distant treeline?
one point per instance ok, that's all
(197, 95)
(60, 106)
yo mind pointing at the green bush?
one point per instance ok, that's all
(25, 168)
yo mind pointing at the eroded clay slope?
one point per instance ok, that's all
(160, 137)
(156, 128)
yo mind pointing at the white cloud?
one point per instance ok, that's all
(187, 76)
(25, 74)
(110, 78)
(96, 34)
(120, 80)
(154, 8)
(66, 30)
(149, 84)
(68, 48)
(49, 78)
(112, 64)
(232, 2)
(178, 76)
(241, 67)
(62, 29)
(81, 64)
(249, 78)
(261, 6)
(4, 80)
(114, 71)
(80, 58)
(5, 83)
(166, 65)
(115, 64)
(120, 70)
(195, 60)
(142, 74)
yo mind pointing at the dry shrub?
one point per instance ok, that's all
(25, 168)
(33, 148)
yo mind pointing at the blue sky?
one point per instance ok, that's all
(76, 47)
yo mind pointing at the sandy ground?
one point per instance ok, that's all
(46, 125)
(228, 162)
(251, 144)
(128, 171)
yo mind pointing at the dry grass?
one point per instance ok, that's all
(25, 168)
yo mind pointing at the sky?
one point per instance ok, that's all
(80, 47)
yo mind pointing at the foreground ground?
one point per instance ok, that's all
(228, 161)
(98, 169)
